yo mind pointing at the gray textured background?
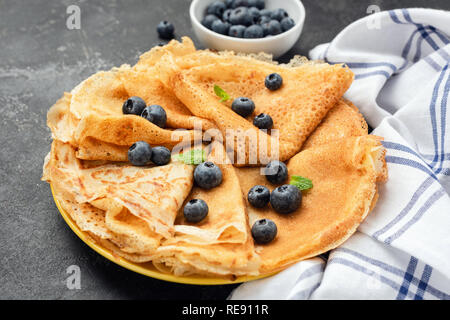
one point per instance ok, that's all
(39, 60)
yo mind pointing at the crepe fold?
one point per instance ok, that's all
(90, 116)
(344, 174)
(308, 92)
(153, 194)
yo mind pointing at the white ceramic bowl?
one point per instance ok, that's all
(276, 45)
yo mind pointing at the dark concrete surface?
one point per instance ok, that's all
(39, 60)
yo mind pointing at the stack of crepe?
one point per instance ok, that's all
(136, 212)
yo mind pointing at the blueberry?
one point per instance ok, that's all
(229, 3)
(287, 23)
(260, 4)
(195, 210)
(273, 81)
(226, 15)
(276, 172)
(263, 19)
(264, 231)
(237, 31)
(265, 12)
(254, 31)
(207, 175)
(140, 153)
(258, 196)
(243, 106)
(241, 16)
(278, 14)
(251, 3)
(254, 12)
(165, 30)
(133, 105)
(155, 114)
(263, 121)
(217, 8)
(220, 27)
(274, 27)
(286, 199)
(239, 3)
(160, 156)
(208, 20)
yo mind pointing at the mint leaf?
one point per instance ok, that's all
(193, 156)
(221, 93)
(301, 182)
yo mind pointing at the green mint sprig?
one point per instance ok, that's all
(301, 182)
(221, 93)
(193, 156)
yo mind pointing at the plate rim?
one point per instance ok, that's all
(139, 268)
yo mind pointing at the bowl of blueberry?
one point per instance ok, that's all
(248, 26)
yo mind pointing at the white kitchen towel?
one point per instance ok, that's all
(402, 250)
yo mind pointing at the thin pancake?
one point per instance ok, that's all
(154, 194)
(224, 223)
(343, 120)
(309, 91)
(344, 174)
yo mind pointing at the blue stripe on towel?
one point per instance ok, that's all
(422, 287)
(427, 205)
(409, 275)
(396, 271)
(416, 196)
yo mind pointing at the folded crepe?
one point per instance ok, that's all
(152, 194)
(224, 223)
(91, 118)
(342, 121)
(137, 246)
(221, 244)
(308, 92)
(344, 174)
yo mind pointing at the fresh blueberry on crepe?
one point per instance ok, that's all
(208, 20)
(207, 175)
(140, 153)
(276, 172)
(286, 199)
(273, 81)
(278, 14)
(217, 8)
(243, 106)
(263, 121)
(264, 231)
(160, 156)
(287, 23)
(133, 105)
(220, 27)
(195, 210)
(258, 196)
(237, 31)
(155, 114)
(253, 32)
(165, 30)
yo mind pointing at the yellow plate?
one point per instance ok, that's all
(147, 269)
